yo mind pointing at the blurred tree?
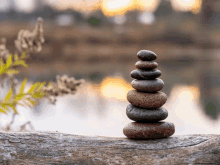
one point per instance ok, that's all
(164, 9)
(132, 16)
(94, 21)
(208, 12)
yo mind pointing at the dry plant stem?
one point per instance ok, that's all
(8, 127)
(29, 42)
(23, 126)
(12, 85)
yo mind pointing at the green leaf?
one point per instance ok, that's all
(9, 61)
(20, 62)
(41, 86)
(49, 84)
(23, 55)
(38, 95)
(19, 97)
(1, 62)
(32, 102)
(33, 87)
(7, 103)
(3, 69)
(5, 107)
(9, 95)
(23, 86)
(16, 57)
(15, 110)
(2, 110)
(12, 71)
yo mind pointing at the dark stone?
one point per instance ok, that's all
(148, 85)
(145, 75)
(146, 100)
(146, 55)
(146, 115)
(136, 130)
(146, 65)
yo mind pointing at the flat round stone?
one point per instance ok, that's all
(145, 115)
(146, 65)
(146, 100)
(146, 55)
(148, 85)
(157, 130)
(145, 75)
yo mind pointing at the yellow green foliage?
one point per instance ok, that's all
(28, 98)
(7, 67)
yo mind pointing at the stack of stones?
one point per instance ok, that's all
(146, 101)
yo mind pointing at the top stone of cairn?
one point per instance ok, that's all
(146, 55)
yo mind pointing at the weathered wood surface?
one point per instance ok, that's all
(59, 148)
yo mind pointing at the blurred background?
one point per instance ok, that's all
(98, 40)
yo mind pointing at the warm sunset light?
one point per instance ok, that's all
(190, 92)
(147, 5)
(116, 7)
(184, 92)
(115, 88)
(120, 7)
(186, 5)
(83, 5)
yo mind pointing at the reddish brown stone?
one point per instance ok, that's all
(148, 85)
(146, 65)
(157, 130)
(146, 100)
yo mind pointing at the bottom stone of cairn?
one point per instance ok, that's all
(157, 130)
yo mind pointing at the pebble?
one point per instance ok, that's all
(157, 130)
(146, 65)
(146, 100)
(146, 55)
(145, 75)
(145, 115)
(148, 85)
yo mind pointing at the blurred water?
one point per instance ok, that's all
(98, 108)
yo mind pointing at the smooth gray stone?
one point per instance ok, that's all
(148, 85)
(146, 55)
(146, 65)
(145, 75)
(146, 115)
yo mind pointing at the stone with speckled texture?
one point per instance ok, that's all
(157, 130)
(146, 65)
(146, 115)
(148, 85)
(145, 75)
(146, 55)
(146, 100)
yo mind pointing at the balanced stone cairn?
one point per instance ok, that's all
(146, 101)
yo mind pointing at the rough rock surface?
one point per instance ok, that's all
(146, 100)
(145, 115)
(57, 148)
